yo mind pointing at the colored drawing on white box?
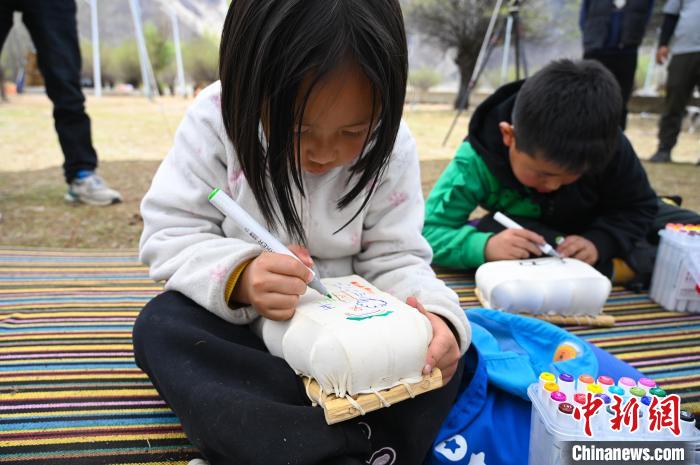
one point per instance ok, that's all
(365, 303)
(362, 340)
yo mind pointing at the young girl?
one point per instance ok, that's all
(304, 131)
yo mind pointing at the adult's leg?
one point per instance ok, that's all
(6, 12)
(54, 31)
(623, 66)
(5, 26)
(237, 402)
(679, 88)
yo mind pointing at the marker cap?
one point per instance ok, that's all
(626, 382)
(583, 381)
(567, 409)
(616, 390)
(646, 400)
(605, 380)
(558, 396)
(604, 397)
(547, 377)
(566, 377)
(547, 390)
(646, 383)
(580, 398)
(637, 391)
(657, 391)
(595, 389)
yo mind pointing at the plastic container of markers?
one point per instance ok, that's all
(675, 282)
(552, 423)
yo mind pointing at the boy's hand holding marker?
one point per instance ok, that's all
(517, 242)
(513, 244)
(273, 283)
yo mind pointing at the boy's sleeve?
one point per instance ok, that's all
(394, 256)
(182, 240)
(461, 187)
(627, 208)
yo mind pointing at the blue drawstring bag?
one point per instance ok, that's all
(490, 421)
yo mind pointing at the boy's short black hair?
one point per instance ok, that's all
(568, 113)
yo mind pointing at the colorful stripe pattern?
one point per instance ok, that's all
(70, 392)
(663, 345)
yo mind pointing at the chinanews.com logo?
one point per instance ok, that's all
(663, 413)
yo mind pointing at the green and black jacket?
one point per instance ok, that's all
(613, 207)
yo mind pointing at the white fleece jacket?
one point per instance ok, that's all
(189, 244)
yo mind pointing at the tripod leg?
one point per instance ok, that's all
(463, 103)
(484, 53)
(521, 53)
(516, 25)
(506, 50)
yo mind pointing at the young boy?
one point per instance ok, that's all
(548, 152)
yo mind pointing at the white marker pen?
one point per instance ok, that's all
(267, 241)
(510, 224)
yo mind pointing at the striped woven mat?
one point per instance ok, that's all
(70, 392)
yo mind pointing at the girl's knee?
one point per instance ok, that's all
(157, 313)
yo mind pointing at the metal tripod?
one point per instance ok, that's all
(491, 39)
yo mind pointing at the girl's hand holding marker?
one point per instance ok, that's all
(274, 282)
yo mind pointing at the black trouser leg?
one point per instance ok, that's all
(6, 12)
(683, 77)
(623, 66)
(53, 28)
(240, 405)
(643, 255)
(670, 214)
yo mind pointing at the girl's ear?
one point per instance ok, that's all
(507, 133)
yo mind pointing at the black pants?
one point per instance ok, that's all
(240, 405)
(683, 77)
(53, 28)
(623, 66)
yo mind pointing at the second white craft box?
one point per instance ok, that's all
(543, 285)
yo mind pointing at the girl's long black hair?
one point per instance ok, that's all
(268, 47)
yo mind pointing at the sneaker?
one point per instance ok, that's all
(198, 462)
(661, 156)
(89, 188)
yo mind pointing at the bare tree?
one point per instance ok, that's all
(454, 24)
